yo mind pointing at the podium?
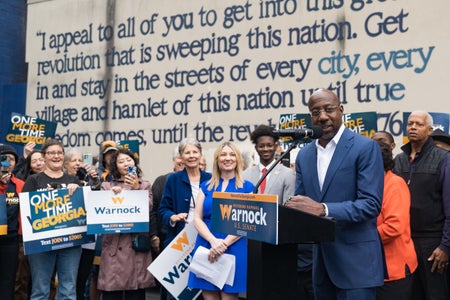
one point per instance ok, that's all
(272, 269)
(272, 243)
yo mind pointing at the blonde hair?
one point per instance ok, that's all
(216, 172)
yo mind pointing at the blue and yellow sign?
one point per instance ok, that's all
(26, 129)
(55, 209)
(364, 123)
(171, 267)
(132, 145)
(53, 220)
(253, 216)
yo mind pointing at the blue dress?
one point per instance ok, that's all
(238, 249)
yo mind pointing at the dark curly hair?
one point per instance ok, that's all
(113, 163)
(263, 130)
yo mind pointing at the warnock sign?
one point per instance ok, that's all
(158, 72)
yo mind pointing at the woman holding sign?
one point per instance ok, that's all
(181, 188)
(227, 177)
(123, 268)
(65, 260)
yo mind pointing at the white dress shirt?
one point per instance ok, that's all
(324, 155)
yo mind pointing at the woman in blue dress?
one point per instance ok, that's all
(226, 177)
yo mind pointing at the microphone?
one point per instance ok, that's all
(314, 132)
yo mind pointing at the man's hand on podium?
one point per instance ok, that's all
(306, 204)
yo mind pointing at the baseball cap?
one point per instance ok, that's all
(108, 146)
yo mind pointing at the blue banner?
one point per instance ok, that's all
(55, 209)
(53, 220)
(132, 145)
(293, 121)
(253, 216)
(118, 228)
(24, 129)
(59, 242)
(364, 123)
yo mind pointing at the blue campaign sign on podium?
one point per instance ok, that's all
(253, 216)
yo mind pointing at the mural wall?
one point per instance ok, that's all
(158, 72)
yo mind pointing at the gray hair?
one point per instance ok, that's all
(428, 118)
(71, 152)
(188, 141)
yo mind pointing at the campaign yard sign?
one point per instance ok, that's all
(364, 123)
(53, 220)
(132, 145)
(293, 121)
(171, 267)
(25, 129)
(126, 212)
(254, 216)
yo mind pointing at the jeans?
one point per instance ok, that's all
(42, 264)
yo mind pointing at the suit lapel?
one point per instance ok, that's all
(342, 150)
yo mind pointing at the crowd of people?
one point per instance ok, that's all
(392, 214)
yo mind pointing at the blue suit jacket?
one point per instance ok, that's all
(353, 191)
(176, 199)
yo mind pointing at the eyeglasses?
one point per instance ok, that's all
(327, 110)
(54, 153)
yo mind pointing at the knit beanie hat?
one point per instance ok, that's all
(6, 149)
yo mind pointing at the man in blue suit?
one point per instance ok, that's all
(341, 176)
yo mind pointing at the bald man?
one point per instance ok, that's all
(341, 176)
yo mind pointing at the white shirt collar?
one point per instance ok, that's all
(335, 139)
(261, 167)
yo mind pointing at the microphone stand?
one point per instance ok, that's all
(273, 265)
(293, 145)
